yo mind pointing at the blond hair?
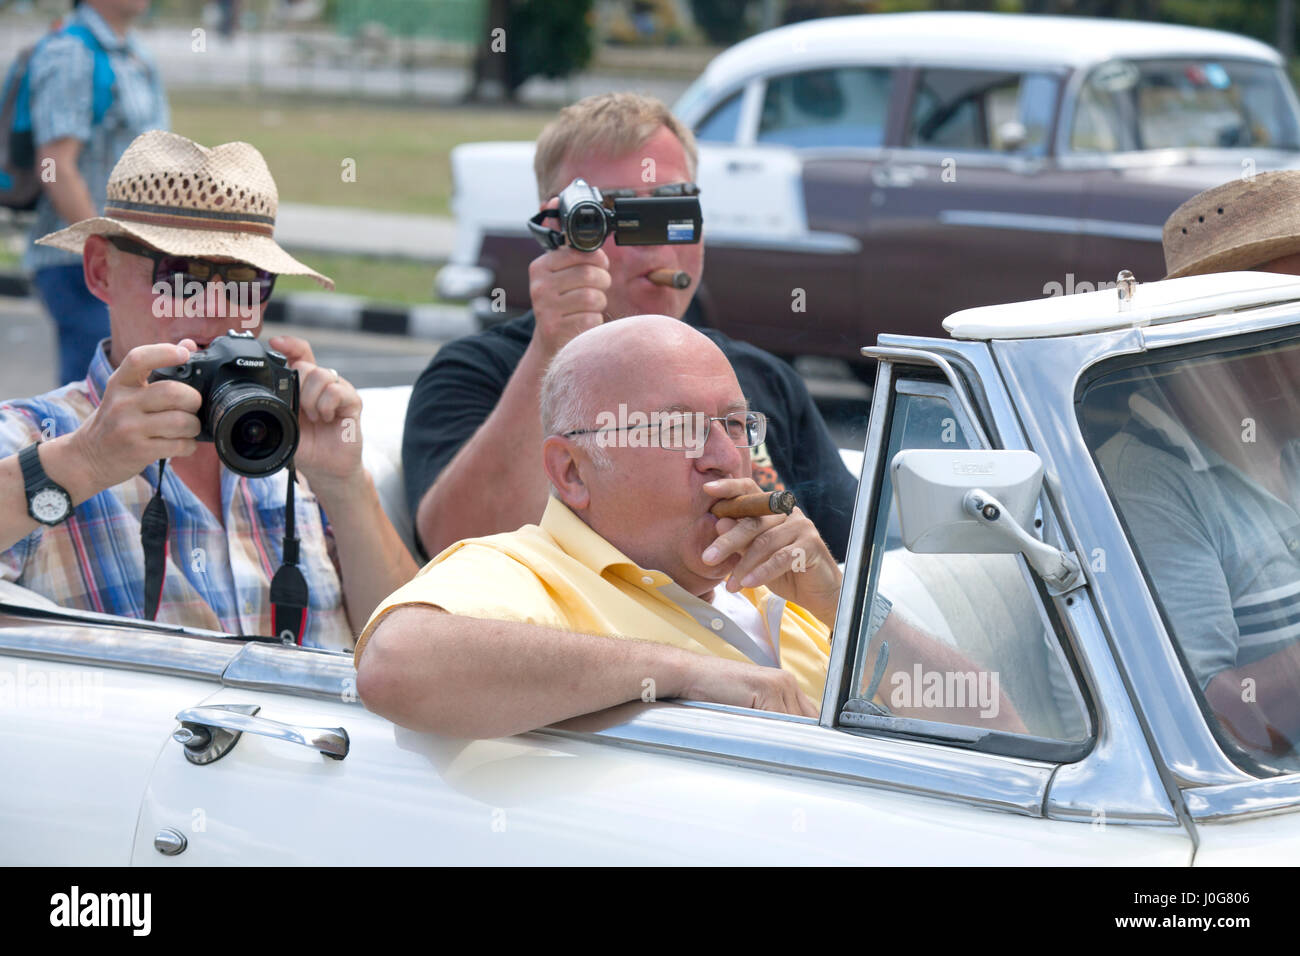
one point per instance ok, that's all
(606, 125)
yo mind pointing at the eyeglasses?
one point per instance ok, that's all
(167, 267)
(678, 430)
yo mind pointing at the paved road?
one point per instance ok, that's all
(27, 363)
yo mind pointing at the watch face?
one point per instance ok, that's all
(49, 505)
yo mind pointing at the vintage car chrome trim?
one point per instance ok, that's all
(235, 662)
(1220, 326)
(306, 672)
(908, 356)
(772, 742)
(857, 562)
(199, 656)
(1241, 801)
(1064, 225)
(1136, 666)
(815, 243)
(1118, 776)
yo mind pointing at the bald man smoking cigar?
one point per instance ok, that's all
(629, 576)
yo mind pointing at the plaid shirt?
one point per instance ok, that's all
(218, 573)
(61, 88)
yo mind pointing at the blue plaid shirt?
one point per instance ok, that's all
(60, 75)
(218, 573)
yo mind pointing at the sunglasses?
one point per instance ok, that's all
(166, 267)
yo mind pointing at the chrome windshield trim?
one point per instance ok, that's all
(1222, 325)
(908, 356)
(857, 560)
(1229, 803)
(302, 671)
(772, 742)
(178, 655)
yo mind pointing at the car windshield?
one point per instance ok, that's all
(1128, 105)
(1202, 459)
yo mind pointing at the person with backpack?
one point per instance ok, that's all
(88, 89)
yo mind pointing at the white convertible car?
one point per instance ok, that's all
(126, 742)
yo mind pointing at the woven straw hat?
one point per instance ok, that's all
(1239, 225)
(188, 200)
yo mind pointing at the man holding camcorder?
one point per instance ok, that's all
(471, 447)
(161, 485)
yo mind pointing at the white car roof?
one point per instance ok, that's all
(1000, 40)
(1154, 303)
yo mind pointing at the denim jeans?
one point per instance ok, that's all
(81, 319)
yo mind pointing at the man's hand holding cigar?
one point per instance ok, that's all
(782, 551)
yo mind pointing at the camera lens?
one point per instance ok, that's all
(254, 431)
(256, 435)
(586, 227)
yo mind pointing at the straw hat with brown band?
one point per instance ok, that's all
(1242, 224)
(188, 200)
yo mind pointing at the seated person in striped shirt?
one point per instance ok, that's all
(628, 588)
(84, 458)
(1206, 473)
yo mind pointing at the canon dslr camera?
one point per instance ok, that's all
(586, 218)
(250, 401)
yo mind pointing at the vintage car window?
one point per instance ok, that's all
(1201, 456)
(837, 107)
(969, 640)
(1182, 104)
(721, 123)
(983, 110)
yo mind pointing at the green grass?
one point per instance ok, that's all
(401, 153)
(383, 280)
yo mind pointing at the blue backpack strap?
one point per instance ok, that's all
(103, 78)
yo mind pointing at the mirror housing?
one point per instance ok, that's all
(977, 502)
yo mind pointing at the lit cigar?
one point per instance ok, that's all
(755, 505)
(673, 277)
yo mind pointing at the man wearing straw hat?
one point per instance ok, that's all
(79, 464)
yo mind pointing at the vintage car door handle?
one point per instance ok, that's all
(896, 176)
(208, 733)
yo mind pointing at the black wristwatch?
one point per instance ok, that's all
(47, 502)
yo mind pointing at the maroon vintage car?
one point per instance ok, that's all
(874, 174)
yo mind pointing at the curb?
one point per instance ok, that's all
(334, 311)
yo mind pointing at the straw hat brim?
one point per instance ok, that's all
(261, 251)
(1241, 258)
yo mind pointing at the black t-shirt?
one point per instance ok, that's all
(464, 382)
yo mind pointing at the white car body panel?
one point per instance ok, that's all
(404, 798)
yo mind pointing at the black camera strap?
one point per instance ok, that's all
(289, 592)
(288, 586)
(547, 237)
(153, 538)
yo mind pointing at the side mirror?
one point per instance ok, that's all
(977, 502)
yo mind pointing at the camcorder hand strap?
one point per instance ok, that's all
(153, 539)
(289, 588)
(548, 238)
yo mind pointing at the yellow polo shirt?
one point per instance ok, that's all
(561, 574)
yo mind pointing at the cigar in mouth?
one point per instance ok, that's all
(755, 505)
(673, 277)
